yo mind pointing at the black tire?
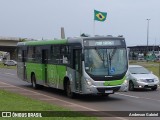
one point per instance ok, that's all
(154, 88)
(34, 84)
(131, 86)
(69, 93)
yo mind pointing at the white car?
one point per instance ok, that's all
(140, 77)
(10, 63)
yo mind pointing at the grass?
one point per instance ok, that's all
(14, 102)
(8, 67)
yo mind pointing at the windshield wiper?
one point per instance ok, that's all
(99, 54)
(112, 53)
(110, 59)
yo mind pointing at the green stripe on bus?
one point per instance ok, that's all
(114, 82)
(37, 69)
(56, 73)
(47, 42)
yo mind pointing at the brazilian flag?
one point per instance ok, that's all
(100, 16)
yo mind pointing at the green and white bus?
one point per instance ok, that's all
(84, 65)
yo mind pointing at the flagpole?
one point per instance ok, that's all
(94, 28)
(98, 16)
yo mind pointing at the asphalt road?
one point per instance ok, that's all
(139, 100)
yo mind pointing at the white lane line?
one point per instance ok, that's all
(138, 97)
(127, 95)
(9, 74)
(45, 99)
(4, 86)
(90, 109)
(55, 98)
(150, 99)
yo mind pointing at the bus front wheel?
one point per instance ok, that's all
(69, 93)
(131, 86)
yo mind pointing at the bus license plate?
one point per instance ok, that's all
(108, 91)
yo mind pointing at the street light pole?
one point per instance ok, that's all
(147, 32)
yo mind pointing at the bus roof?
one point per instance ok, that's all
(68, 40)
(43, 42)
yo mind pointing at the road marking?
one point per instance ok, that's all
(29, 94)
(5, 86)
(151, 99)
(127, 95)
(49, 97)
(55, 98)
(9, 74)
(138, 97)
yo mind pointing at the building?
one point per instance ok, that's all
(142, 51)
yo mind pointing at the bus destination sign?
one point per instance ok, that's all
(102, 42)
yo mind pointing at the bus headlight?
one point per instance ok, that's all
(89, 82)
(125, 82)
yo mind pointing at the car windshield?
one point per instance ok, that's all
(138, 70)
(104, 61)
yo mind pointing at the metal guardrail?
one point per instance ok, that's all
(10, 38)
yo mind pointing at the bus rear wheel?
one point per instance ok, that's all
(34, 84)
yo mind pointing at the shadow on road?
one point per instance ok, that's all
(144, 90)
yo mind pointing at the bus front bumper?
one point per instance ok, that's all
(101, 89)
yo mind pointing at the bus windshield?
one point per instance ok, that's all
(105, 61)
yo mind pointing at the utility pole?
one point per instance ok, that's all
(147, 32)
(62, 33)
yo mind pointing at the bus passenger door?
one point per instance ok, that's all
(21, 66)
(78, 69)
(24, 54)
(44, 62)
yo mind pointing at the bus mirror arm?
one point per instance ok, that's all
(82, 57)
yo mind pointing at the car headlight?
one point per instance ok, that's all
(156, 79)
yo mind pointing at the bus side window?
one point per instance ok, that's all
(65, 55)
(55, 52)
(30, 53)
(19, 54)
(24, 55)
(38, 54)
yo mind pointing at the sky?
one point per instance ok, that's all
(39, 19)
